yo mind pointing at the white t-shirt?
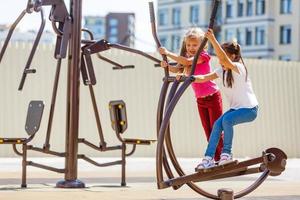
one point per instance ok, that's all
(241, 94)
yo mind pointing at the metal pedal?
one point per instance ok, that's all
(204, 170)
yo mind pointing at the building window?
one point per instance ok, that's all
(113, 31)
(249, 7)
(113, 22)
(163, 17)
(285, 34)
(285, 6)
(99, 31)
(240, 8)
(175, 43)
(194, 14)
(163, 41)
(229, 34)
(131, 22)
(176, 16)
(113, 39)
(260, 7)
(285, 57)
(260, 35)
(229, 9)
(248, 36)
(240, 37)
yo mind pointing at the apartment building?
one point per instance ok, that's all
(96, 24)
(114, 27)
(176, 16)
(120, 28)
(265, 28)
(28, 36)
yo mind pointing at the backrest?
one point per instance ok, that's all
(34, 116)
(118, 117)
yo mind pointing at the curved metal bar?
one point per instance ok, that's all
(98, 54)
(252, 187)
(55, 29)
(168, 141)
(159, 116)
(162, 134)
(125, 48)
(171, 153)
(159, 119)
(88, 32)
(34, 47)
(203, 43)
(165, 124)
(154, 33)
(161, 104)
(16, 150)
(168, 135)
(132, 150)
(10, 32)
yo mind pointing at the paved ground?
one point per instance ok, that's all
(104, 183)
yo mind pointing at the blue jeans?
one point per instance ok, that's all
(225, 123)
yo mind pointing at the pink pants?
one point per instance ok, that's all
(210, 109)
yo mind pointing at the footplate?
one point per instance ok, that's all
(12, 140)
(228, 164)
(138, 141)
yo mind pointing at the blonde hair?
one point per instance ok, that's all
(195, 33)
(192, 33)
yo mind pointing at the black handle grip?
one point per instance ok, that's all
(124, 67)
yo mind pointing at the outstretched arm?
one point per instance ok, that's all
(206, 77)
(180, 59)
(174, 69)
(224, 59)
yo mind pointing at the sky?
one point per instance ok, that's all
(12, 8)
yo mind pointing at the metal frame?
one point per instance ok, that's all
(67, 27)
(32, 125)
(117, 108)
(272, 162)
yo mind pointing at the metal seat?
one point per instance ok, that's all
(32, 125)
(119, 123)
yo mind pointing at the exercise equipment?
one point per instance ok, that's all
(272, 162)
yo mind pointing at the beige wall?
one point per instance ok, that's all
(276, 85)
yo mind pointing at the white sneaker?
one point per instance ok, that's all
(225, 158)
(207, 162)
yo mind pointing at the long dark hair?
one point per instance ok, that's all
(232, 48)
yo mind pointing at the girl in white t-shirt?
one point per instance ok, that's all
(238, 89)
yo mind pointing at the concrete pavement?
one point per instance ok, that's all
(104, 183)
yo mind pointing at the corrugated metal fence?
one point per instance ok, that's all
(276, 84)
